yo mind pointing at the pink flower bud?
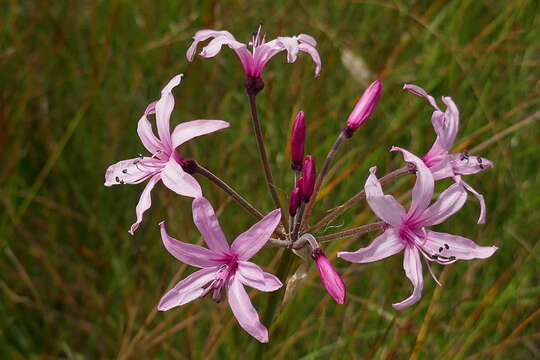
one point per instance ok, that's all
(298, 137)
(364, 107)
(294, 200)
(332, 282)
(308, 175)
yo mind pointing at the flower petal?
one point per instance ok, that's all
(251, 275)
(413, 270)
(312, 51)
(190, 254)
(423, 188)
(290, 44)
(251, 241)
(308, 39)
(145, 201)
(203, 35)
(463, 164)
(384, 245)
(385, 207)
(190, 129)
(179, 181)
(459, 247)
(144, 129)
(479, 197)
(244, 311)
(188, 289)
(446, 136)
(164, 108)
(131, 171)
(417, 90)
(206, 221)
(250, 271)
(448, 203)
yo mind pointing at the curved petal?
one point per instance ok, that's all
(206, 34)
(418, 91)
(206, 221)
(164, 108)
(463, 164)
(423, 188)
(312, 51)
(190, 254)
(251, 241)
(251, 275)
(290, 44)
(384, 245)
(145, 201)
(244, 311)
(448, 203)
(144, 130)
(179, 181)
(190, 129)
(413, 270)
(447, 135)
(308, 39)
(250, 271)
(132, 171)
(188, 289)
(459, 247)
(479, 197)
(214, 46)
(385, 207)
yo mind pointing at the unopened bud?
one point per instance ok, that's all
(364, 107)
(294, 200)
(298, 137)
(308, 175)
(331, 280)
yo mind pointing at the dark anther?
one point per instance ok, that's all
(446, 246)
(124, 171)
(434, 256)
(189, 165)
(253, 85)
(140, 156)
(452, 258)
(117, 179)
(122, 182)
(465, 155)
(479, 159)
(440, 249)
(411, 168)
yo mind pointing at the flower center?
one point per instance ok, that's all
(223, 276)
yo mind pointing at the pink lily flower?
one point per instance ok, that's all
(165, 163)
(406, 230)
(255, 60)
(438, 159)
(332, 282)
(223, 266)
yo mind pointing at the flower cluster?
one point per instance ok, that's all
(224, 267)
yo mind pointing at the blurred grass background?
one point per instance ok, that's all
(75, 78)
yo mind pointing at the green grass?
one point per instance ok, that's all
(75, 77)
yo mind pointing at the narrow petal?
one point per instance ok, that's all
(164, 108)
(312, 51)
(131, 171)
(385, 207)
(417, 90)
(413, 270)
(244, 311)
(385, 245)
(203, 35)
(190, 254)
(144, 130)
(250, 271)
(206, 221)
(188, 289)
(145, 201)
(179, 181)
(448, 134)
(308, 39)
(448, 203)
(290, 44)
(463, 164)
(479, 197)
(459, 247)
(257, 279)
(251, 241)
(423, 188)
(190, 129)
(214, 46)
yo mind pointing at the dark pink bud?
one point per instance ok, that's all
(298, 136)
(332, 282)
(294, 200)
(308, 175)
(364, 107)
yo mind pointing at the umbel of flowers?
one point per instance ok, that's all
(225, 269)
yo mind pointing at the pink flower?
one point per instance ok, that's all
(308, 177)
(255, 60)
(298, 137)
(165, 163)
(223, 266)
(438, 159)
(407, 230)
(364, 107)
(332, 282)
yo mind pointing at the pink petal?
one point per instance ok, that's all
(144, 129)
(463, 164)
(423, 188)
(257, 279)
(130, 171)
(385, 207)
(479, 197)
(250, 271)
(447, 136)
(188, 289)
(251, 241)
(417, 90)
(164, 108)
(312, 51)
(459, 247)
(190, 254)
(179, 181)
(145, 201)
(203, 35)
(290, 44)
(413, 270)
(308, 39)
(448, 203)
(385, 245)
(188, 130)
(206, 221)
(244, 311)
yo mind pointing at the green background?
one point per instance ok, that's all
(76, 76)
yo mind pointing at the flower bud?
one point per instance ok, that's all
(331, 280)
(364, 107)
(298, 136)
(308, 177)
(294, 200)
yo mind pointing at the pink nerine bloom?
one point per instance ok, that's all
(438, 159)
(254, 61)
(223, 266)
(364, 107)
(165, 163)
(332, 282)
(407, 230)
